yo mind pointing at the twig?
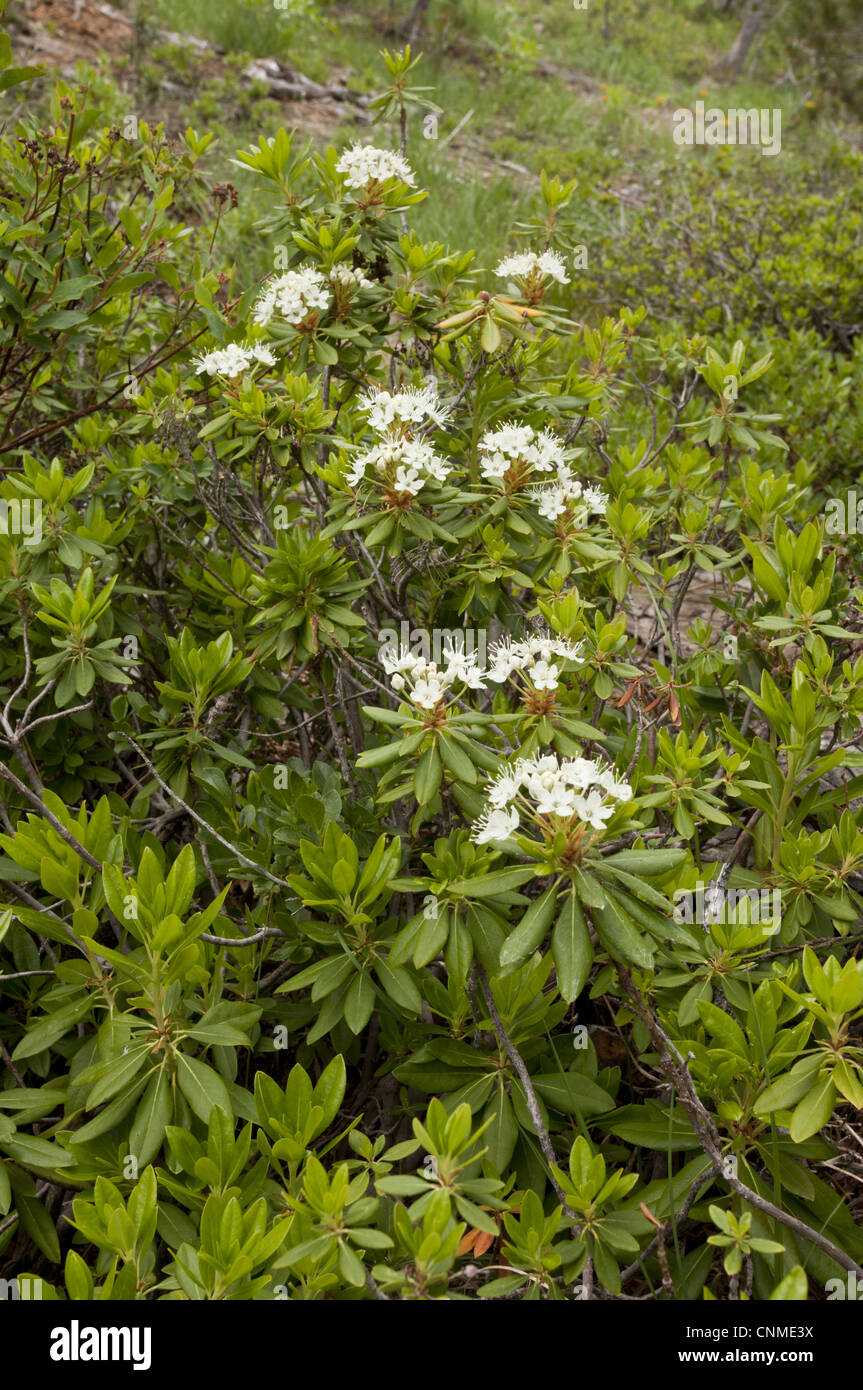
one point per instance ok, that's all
(529, 1093)
(34, 800)
(708, 1135)
(280, 882)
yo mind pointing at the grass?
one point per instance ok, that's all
(600, 112)
(256, 27)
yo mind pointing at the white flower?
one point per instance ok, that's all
(544, 676)
(463, 667)
(349, 278)
(421, 680)
(621, 791)
(408, 480)
(596, 499)
(398, 661)
(428, 693)
(511, 440)
(234, 359)
(593, 809)
(292, 296)
(580, 772)
(363, 165)
(569, 790)
(402, 465)
(505, 789)
(494, 825)
(528, 264)
(502, 449)
(531, 660)
(413, 406)
(567, 495)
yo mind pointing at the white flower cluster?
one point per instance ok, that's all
(234, 359)
(423, 683)
(363, 165)
(568, 789)
(403, 465)
(513, 452)
(567, 495)
(396, 413)
(346, 277)
(292, 296)
(398, 462)
(532, 660)
(528, 265)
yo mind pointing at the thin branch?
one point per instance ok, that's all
(529, 1093)
(709, 1137)
(226, 844)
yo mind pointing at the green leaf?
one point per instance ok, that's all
(573, 1094)
(351, 1266)
(489, 885)
(571, 949)
(794, 1288)
(79, 1280)
(359, 1003)
(38, 1225)
(427, 777)
(531, 930)
(330, 1089)
(620, 936)
(51, 1029)
(502, 1133)
(202, 1087)
(432, 937)
(814, 1110)
(456, 760)
(787, 1090)
(647, 863)
(36, 1153)
(153, 1114)
(115, 1075)
(647, 1126)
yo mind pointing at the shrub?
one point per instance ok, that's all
(336, 969)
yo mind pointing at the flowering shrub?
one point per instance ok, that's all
(386, 657)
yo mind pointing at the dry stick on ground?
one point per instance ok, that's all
(529, 1093)
(744, 839)
(708, 1135)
